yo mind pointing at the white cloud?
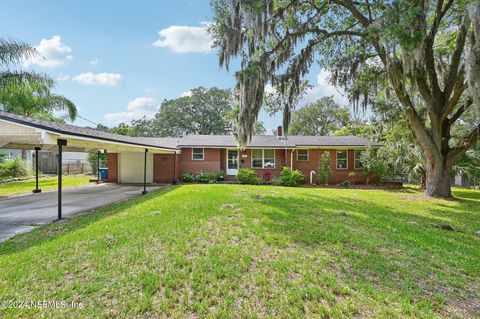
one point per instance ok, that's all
(52, 53)
(105, 79)
(186, 93)
(138, 108)
(93, 62)
(185, 39)
(62, 77)
(143, 104)
(324, 88)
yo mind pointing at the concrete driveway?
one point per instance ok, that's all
(23, 213)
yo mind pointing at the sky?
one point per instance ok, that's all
(118, 60)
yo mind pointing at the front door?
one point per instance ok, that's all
(232, 162)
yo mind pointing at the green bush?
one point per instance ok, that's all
(14, 168)
(187, 177)
(248, 176)
(291, 177)
(276, 181)
(220, 175)
(324, 171)
(93, 160)
(204, 177)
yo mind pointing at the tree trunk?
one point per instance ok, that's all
(423, 178)
(438, 180)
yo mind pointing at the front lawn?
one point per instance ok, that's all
(44, 183)
(254, 251)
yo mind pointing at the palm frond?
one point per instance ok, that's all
(61, 103)
(13, 52)
(32, 79)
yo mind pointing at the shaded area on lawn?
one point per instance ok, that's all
(22, 187)
(52, 231)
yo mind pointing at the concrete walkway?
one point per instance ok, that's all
(23, 213)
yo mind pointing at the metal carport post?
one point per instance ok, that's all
(60, 143)
(145, 173)
(36, 190)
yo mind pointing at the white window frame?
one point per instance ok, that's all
(203, 153)
(303, 160)
(263, 159)
(336, 160)
(355, 159)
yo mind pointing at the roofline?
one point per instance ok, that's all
(52, 130)
(276, 147)
(363, 145)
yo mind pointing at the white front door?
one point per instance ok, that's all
(232, 162)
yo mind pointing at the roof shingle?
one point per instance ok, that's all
(258, 141)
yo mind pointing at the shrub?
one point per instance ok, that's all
(290, 177)
(248, 176)
(267, 176)
(93, 160)
(276, 181)
(206, 177)
(351, 175)
(324, 171)
(14, 168)
(187, 177)
(373, 164)
(220, 175)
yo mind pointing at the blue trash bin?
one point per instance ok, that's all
(103, 173)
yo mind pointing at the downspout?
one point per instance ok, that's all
(291, 158)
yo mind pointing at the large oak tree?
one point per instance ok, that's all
(425, 54)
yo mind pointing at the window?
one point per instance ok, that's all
(197, 154)
(342, 160)
(358, 162)
(302, 155)
(269, 158)
(263, 158)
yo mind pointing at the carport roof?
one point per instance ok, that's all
(61, 128)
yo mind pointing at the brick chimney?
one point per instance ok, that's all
(279, 131)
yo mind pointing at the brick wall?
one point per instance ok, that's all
(246, 162)
(211, 161)
(214, 160)
(112, 168)
(338, 175)
(163, 168)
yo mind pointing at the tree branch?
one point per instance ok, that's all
(458, 89)
(460, 111)
(456, 57)
(439, 14)
(350, 6)
(465, 144)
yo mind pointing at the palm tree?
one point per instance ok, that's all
(13, 52)
(35, 100)
(28, 93)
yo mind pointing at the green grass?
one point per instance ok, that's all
(254, 251)
(44, 183)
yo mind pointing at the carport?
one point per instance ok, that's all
(135, 153)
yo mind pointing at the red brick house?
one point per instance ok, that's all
(264, 153)
(142, 160)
